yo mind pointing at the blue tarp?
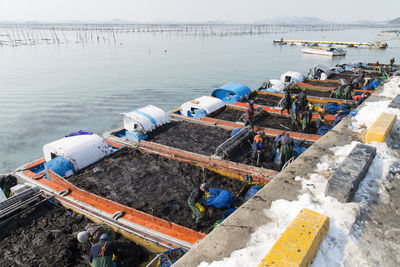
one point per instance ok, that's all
(251, 192)
(235, 131)
(135, 136)
(269, 90)
(372, 84)
(231, 92)
(59, 165)
(331, 107)
(345, 108)
(298, 149)
(324, 129)
(80, 132)
(227, 213)
(219, 198)
(200, 113)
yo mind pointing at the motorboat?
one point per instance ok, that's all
(324, 51)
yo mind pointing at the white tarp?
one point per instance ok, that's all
(80, 150)
(292, 76)
(208, 103)
(147, 118)
(277, 85)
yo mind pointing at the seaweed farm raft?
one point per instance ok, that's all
(271, 122)
(132, 178)
(117, 187)
(227, 146)
(381, 45)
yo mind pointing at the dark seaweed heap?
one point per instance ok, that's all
(46, 236)
(153, 184)
(267, 120)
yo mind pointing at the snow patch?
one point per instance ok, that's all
(391, 88)
(372, 110)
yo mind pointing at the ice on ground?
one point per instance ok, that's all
(391, 88)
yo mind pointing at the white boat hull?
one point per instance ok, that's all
(323, 52)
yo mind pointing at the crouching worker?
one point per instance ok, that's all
(6, 182)
(285, 144)
(194, 202)
(93, 232)
(257, 148)
(103, 252)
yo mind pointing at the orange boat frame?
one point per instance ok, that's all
(175, 114)
(328, 88)
(227, 168)
(152, 233)
(313, 99)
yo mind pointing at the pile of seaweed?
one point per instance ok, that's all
(190, 136)
(267, 120)
(46, 236)
(204, 140)
(153, 184)
(266, 100)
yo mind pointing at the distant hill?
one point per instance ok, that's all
(295, 20)
(395, 21)
(369, 22)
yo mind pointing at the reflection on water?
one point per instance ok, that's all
(50, 90)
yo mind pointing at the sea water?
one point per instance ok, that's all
(50, 90)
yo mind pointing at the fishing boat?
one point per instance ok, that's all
(324, 51)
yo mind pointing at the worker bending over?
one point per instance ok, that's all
(93, 232)
(194, 202)
(103, 252)
(285, 145)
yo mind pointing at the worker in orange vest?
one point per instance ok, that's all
(257, 148)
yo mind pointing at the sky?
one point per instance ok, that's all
(196, 10)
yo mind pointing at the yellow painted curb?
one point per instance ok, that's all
(381, 128)
(299, 243)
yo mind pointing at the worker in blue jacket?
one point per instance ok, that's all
(101, 253)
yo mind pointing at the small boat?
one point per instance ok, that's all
(324, 51)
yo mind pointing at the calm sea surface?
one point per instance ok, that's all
(48, 91)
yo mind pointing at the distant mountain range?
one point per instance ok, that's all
(295, 20)
(277, 20)
(395, 21)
